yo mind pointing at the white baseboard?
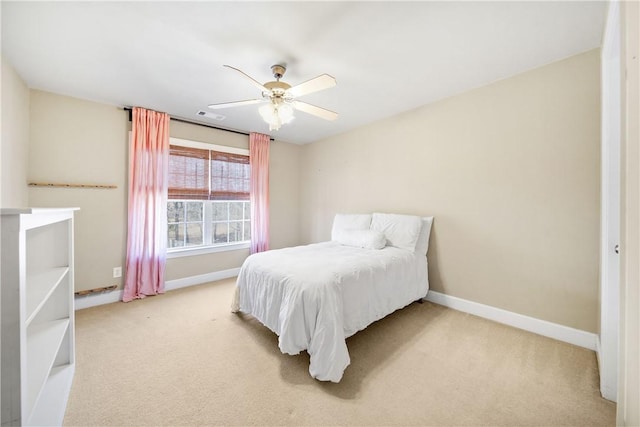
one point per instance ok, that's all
(541, 327)
(93, 300)
(171, 285)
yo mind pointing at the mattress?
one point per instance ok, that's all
(315, 296)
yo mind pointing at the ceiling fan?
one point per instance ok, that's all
(282, 98)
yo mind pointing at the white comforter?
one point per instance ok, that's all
(315, 296)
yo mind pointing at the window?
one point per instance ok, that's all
(208, 203)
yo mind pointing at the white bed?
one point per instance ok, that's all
(315, 296)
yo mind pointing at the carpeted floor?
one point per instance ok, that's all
(183, 359)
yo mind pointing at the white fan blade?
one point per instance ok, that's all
(254, 81)
(316, 111)
(324, 81)
(236, 103)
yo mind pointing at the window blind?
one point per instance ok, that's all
(200, 174)
(229, 176)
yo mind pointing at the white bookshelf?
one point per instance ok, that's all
(38, 350)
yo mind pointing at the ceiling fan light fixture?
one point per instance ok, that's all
(276, 115)
(281, 97)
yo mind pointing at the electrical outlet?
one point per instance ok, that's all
(117, 272)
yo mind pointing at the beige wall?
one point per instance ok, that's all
(284, 195)
(511, 173)
(82, 142)
(14, 150)
(78, 141)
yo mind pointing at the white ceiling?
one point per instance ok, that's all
(387, 57)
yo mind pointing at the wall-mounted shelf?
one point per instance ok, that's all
(63, 185)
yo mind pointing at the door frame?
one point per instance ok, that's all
(610, 204)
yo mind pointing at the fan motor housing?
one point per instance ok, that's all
(278, 88)
(278, 71)
(277, 85)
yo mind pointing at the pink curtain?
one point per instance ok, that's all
(147, 232)
(259, 161)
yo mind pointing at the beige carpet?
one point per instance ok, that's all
(183, 359)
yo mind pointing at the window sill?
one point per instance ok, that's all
(179, 253)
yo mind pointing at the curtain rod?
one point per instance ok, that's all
(191, 122)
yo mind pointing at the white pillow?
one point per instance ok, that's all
(401, 231)
(349, 222)
(422, 246)
(367, 239)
